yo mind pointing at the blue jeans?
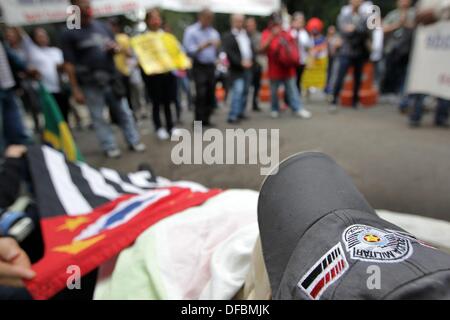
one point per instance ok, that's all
(442, 110)
(97, 99)
(239, 94)
(291, 91)
(12, 130)
(344, 64)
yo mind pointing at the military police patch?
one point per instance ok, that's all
(367, 243)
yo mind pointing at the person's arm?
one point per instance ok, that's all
(15, 265)
(233, 56)
(189, 43)
(11, 175)
(268, 38)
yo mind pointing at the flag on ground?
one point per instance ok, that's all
(88, 216)
(56, 132)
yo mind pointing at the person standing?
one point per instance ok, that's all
(272, 40)
(201, 42)
(255, 38)
(398, 27)
(48, 61)
(12, 130)
(305, 43)
(429, 12)
(162, 87)
(94, 79)
(238, 47)
(352, 25)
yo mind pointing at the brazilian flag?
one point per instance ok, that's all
(56, 132)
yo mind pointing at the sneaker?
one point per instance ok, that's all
(162, 134)
(140, 147)
(113, 153)
(275, 114)
(304, 114)
(176, 133)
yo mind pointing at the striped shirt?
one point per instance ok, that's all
(6, 76)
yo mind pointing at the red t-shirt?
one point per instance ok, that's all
(276, 71)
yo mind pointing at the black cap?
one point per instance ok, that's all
(319, 235)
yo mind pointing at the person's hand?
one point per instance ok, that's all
(276, 30)
(247, 64)
(205, 45)
(349, 28)
(426, 17)
(33, 73)
(15, 265)
(15, 151)
(78, 96)
(112, 46)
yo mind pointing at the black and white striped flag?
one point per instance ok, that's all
(64, 187)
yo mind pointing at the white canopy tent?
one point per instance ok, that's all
(20, 12)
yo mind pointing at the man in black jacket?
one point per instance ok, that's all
(240, 53)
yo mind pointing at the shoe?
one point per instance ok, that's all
(113, 153)
(256, 109)
(232, 121)
(162, 134)
(275, 114)
(304, 114)
(243, 117)
(139, 147)
(414, 124)
(176, 133)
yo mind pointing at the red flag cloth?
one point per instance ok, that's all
(86, 241)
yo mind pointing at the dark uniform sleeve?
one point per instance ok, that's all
(10, 180)
(67, 46)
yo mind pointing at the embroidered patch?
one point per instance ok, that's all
(324, 273)
(367, 243)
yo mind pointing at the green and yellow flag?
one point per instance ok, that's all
(56, 132)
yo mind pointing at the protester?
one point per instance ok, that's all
(161, 87)
(257, 68)
(305, 43)
(94, 79)
(352, 25)
(48, 61)
(24, 85)
(241, 55)
(201, 42)
(127, 64)
(334, 43)
(12, 130)
(429, 12)
(276, 42)
(398, 27)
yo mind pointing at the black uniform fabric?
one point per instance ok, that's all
(322, 240)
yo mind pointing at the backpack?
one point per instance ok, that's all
(287, 53)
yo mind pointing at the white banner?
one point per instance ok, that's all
(430, 63)
(28, 12)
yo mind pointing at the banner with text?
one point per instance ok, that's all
(28, 12)
(159, 52)
(430, 64)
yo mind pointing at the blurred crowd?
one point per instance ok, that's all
(96, 66)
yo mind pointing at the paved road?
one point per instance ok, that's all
(397, 168)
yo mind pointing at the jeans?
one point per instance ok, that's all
(97, 99)
(344, 64)
(292, 94)
(256, 84)
(239, 94)
(442, 110)
(12, 130)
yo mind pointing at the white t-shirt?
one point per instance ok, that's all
(244, 43)
(46, 61)
(305, 43)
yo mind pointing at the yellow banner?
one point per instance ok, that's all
(159, 52)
